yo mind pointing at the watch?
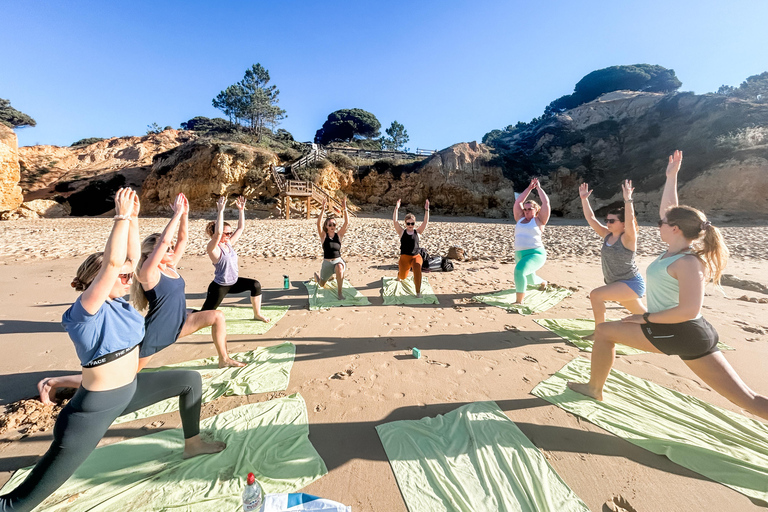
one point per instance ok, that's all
(645, 317)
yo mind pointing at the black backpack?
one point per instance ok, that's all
(446, 265)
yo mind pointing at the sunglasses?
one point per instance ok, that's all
(226, 233)
(410, 223)
(611, 221)
(332, 225)
(171, 248)
(125, 277)
(528, 209)
(662, 221)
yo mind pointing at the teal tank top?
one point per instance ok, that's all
(663, 289)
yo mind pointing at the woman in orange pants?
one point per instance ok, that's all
(409, 245)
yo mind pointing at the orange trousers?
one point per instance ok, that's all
(408, 262)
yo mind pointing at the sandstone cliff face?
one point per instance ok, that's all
(204, 170)
(461, 180)
(10, 191)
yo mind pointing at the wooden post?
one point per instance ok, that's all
(287, 207)
(309, 206)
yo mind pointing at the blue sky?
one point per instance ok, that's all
(449, 71)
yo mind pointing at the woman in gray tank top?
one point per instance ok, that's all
(623, 282)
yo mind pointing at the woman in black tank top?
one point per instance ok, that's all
(409, 245)
(330, 238)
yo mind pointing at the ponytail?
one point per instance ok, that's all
(708, 242)
(138, 297)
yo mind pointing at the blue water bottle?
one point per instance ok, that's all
(286, 282)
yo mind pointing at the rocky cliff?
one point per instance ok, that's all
(10, 191)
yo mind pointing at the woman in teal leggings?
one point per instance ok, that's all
(529, 249)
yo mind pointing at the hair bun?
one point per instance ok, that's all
(705, 225)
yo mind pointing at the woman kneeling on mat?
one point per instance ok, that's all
(409, 245)
(529, 249)
(106, 330)
(222, 253)
(623, 282)
(673, 324)
(331, 238)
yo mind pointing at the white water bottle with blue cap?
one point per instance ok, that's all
(253, 495)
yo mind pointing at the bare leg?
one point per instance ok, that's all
(618, 292)
(340, 279)
(196, 446)
(519, 297)
(143, 361)
(607, 335)
(319, 281)
(48, 386)
(197, 320)
(256, 303)
(715, 370)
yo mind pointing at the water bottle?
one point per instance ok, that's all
(253, 496)
(286, 282)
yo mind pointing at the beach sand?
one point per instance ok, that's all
(471, 352)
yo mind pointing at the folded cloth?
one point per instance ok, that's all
(721, 445)
(328, 295)
(536, 300)
(240, 319)
(404, 292)
(268, 369)
(300, 502)
(574, 330)
(472, 459)
(269, 439)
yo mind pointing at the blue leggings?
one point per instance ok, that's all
(528, 262)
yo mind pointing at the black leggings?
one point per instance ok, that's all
(217, 292)
(84, 421)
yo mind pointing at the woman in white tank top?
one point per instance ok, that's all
(529, 249)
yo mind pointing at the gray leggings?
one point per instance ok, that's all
(86, 418)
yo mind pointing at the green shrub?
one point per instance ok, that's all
(288, 155)
(86, 142)
(342, 161)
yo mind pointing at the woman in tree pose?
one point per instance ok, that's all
(222, 253)
(106, 330)
(409, 245)
(623, 282)
(673, 324)
(529, 249)
(330, 239)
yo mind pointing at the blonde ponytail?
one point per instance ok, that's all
(138, 297)
(708, 242)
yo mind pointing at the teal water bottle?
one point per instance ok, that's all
(286, 282)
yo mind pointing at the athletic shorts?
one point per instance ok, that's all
(689, 340)
(329, 268)
(636, 284)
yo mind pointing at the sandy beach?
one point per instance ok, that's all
(472, 352)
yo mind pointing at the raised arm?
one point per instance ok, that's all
(240, 203)
(630, 227)
(398, 227)
(183, 234)
(149, 273)
(595, 224)
(546, 209)
(669, 197)
(517, 209)
(115, 253)
(343, 230)
(134, 244)
(214, 253)
(423, 225)
(320, 232)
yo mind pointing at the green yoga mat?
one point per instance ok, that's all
(472, 459)
(269, 369)
(573, 330)
(404, 292)
(328, 297)
(240, 319)
(721, 445)
(535, 301)
(147, 473)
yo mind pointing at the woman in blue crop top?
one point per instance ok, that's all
(330, 239)
(673, 324)
(106, 330)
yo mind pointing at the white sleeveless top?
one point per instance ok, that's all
(528, 235)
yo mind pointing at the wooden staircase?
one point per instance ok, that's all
(305, 191)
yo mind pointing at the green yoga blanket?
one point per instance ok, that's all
(573, 330)
(721, 445)
(147, 473)
(328, 296)
(535, 301)
(240, 319)
(269, 369)
(404, 292)
(472, 459)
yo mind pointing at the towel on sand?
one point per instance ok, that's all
(472, 459)
(269, 369)
(535, 301)
(148, 473)
(328, 297)
(240, 319)
(724, 446)
(404, 292)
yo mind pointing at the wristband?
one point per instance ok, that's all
(122, 217)
(629, 200)
(645, 317)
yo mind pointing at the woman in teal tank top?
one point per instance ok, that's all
(673, 324)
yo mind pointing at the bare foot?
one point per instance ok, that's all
(590, 337)
(584, 389)
(317, 280)
(543, 286)
(196, 446)
(418, 295)
(262, 318)
(341, 296)
(47, 391)
(230, 363)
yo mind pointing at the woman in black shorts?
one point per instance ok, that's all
(330, 239)
(673, 324)
(222, 253)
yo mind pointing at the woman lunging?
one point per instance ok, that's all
(623, 282)
(409, 245)
(529, 249)
(106, 330)
(222, 253)
(673, 324)
(330, 238)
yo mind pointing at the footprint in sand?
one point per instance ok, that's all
(461, 372)
(619, 504)
(438, 363)
(319, 407)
